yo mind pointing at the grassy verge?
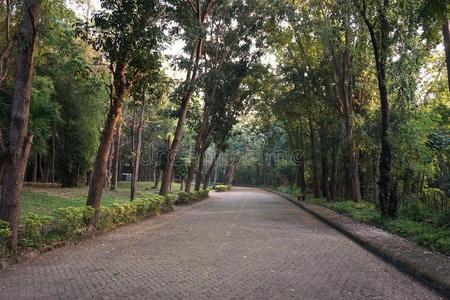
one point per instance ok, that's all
(43, 200)
(415, 221)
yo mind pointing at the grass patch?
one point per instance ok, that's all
(43, 200)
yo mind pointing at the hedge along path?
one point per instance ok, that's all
(72, 224)
(222, 188)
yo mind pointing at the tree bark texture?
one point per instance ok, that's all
(17, 149)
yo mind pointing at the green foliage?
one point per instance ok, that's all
(69, 222)
(129, 212)
(222, 188)
(417, 211)
(443, 219)
(417, 222)
(424, 234)
(34, 230)
(435, 198)
(44, 113)
(5, 234)
(186, 198)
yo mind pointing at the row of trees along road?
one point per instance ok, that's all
(353, 92)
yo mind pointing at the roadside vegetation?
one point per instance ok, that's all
(222, 188)
(417, 220)
(53, 216)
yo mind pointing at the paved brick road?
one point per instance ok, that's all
(244, 244)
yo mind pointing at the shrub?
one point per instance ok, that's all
(69, 222)
(5, 234)
(416, 211)
(33, 229)
(222, 188)
(443, 219)
(123, 213)
(203, 194)
(184, 198)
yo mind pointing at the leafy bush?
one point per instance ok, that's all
(129, 212)
(5, 233)
(186, 198)
(417, 211)
(69, 222)
(33, 230)
(222, 188)
(203, 194)
(423, 234)
(171, 198)
(443, 219)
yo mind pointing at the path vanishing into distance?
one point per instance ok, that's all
(243, 244)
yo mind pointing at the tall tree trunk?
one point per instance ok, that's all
(157, 178)
(53, 157)
(17, 150)
(301, 181)
(137, 152)
(116, 160)
(190, 172)
(381, 51)
(324, 175)
(314, 168)
(384, 182)
(446, 34)
(198, 180)
(190, 86)
(35, 168)
(99, 173)
(344, 86)
(211, 169)
(333, 173)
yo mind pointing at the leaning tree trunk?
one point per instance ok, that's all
(137, 152)
(446, 34)
(174, 148)
(197, 156)
(99, 173)
(17, 149)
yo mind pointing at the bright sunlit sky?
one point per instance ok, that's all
(175, 48)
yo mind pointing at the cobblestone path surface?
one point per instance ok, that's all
(243, 244)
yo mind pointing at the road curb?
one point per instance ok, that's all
(421, 271)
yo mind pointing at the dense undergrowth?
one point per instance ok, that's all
(416, 221)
